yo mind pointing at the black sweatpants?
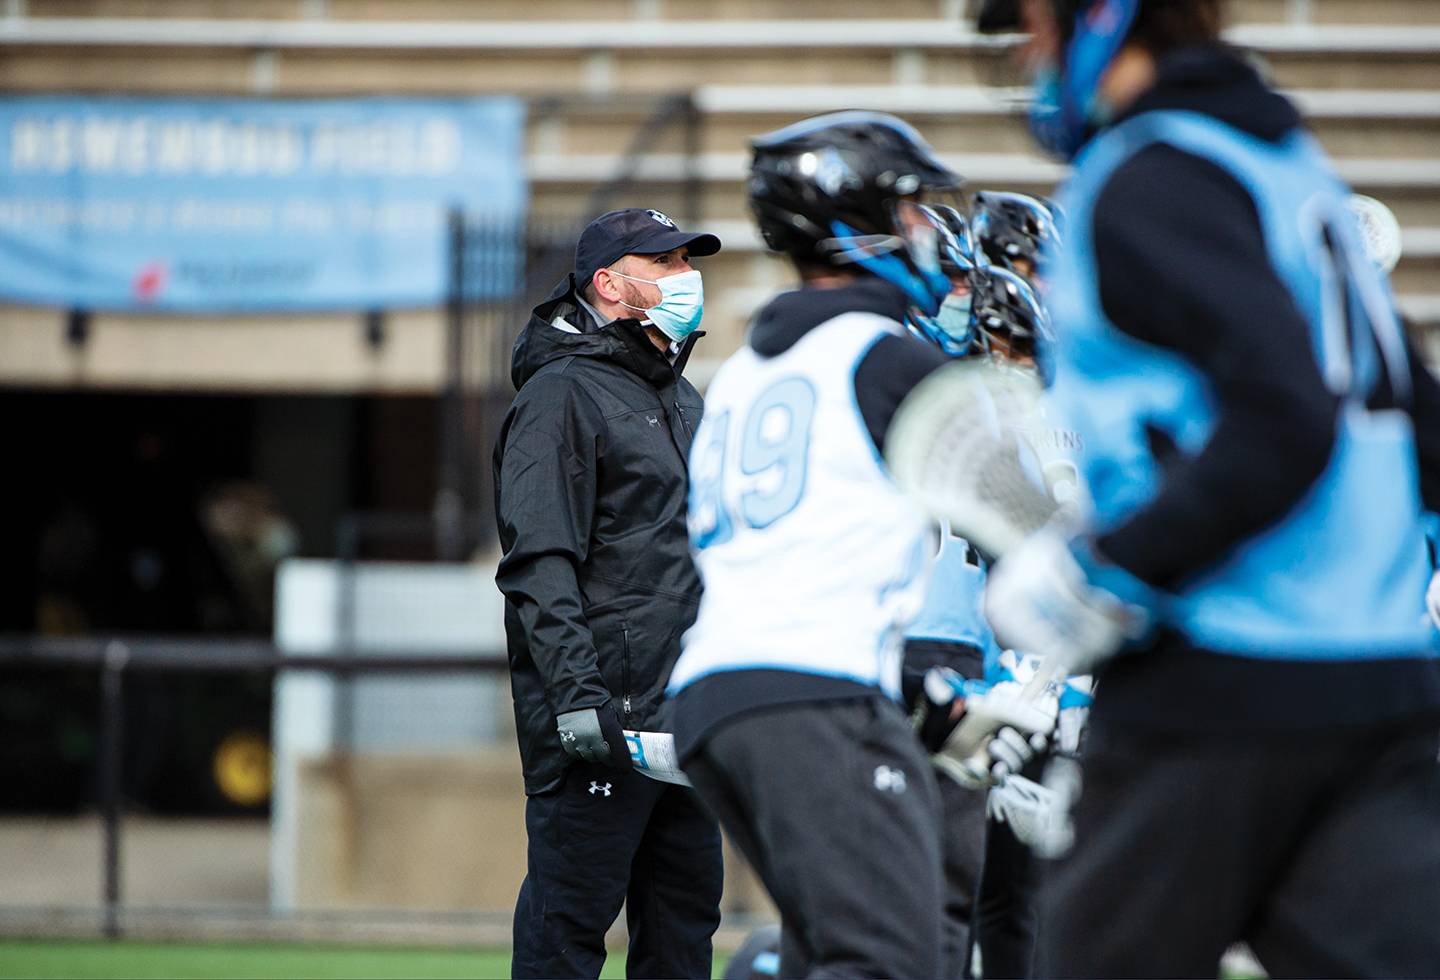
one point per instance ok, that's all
(607, 837)
(962, 837)
(962, 818)
(1007, 909)
(1006, 912)
(836, 807)
(1321, 850)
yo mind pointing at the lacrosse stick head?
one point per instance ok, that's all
(1378, 230)
(955, 446)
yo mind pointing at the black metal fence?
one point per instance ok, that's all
(117, 658)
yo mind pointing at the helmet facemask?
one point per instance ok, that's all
(1011, 324)
(951, 328)
(1014, 230)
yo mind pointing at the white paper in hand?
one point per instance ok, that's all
(653, 754)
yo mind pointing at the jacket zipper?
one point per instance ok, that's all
(625, 671)
(684, 421)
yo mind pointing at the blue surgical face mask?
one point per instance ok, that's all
(954, 317)
(682, 301)
(950, 328)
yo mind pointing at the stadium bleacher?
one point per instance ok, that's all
(1362, 69)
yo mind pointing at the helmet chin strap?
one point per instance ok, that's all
(895, 266)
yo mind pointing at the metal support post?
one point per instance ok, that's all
(112, 751)
(449, 499)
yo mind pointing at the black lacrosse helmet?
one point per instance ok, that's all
(1011, 227)
(951, 330)
(1007, 312)
(829, 191)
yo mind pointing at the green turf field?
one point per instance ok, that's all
(54, 960)
(126, 960)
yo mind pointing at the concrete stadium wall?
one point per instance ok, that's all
(430, 832)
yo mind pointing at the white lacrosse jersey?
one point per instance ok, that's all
(812, 560)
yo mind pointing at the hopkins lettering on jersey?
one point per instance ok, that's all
(1055, 465)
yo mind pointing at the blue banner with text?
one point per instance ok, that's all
(232, 205)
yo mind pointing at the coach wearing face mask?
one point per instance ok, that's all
(591, 497)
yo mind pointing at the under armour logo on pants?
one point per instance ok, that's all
(595, 787)
(889, 780)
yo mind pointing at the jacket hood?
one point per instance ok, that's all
(1218, 81)
(623, 342)
(785, 319)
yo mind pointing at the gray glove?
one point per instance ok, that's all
(593, 735)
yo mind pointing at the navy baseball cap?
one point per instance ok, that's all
(633, 231)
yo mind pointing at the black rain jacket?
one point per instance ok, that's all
(590, 488)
